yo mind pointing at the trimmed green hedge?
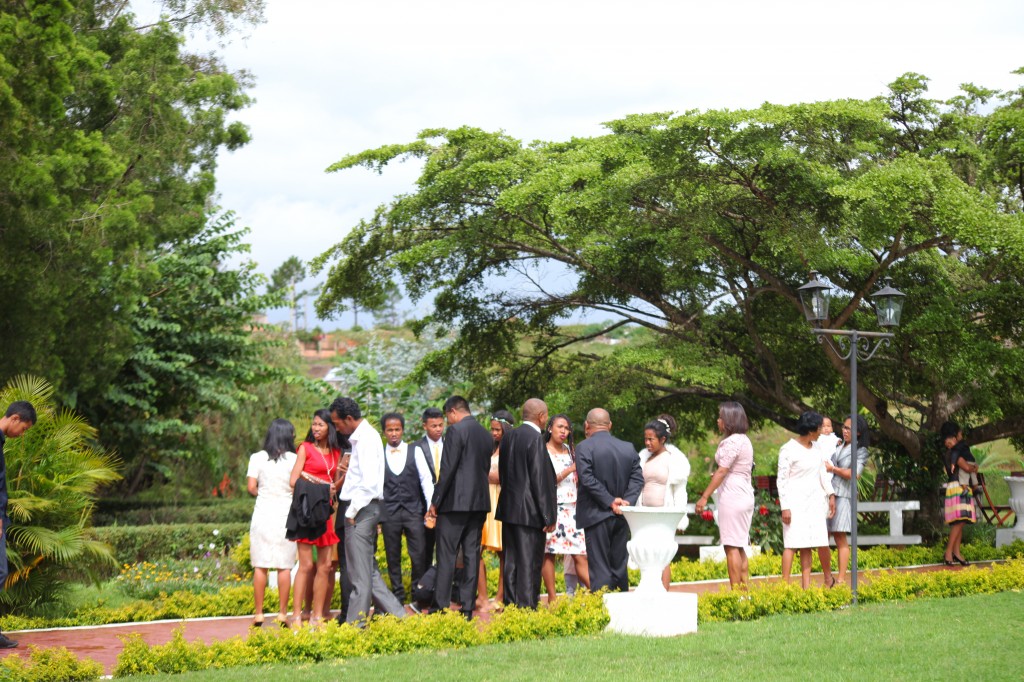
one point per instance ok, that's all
(775, 598)
(110, 512)
(132, 544)
(582, 615)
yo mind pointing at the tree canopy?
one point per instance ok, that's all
(117, 270)
(700, 227)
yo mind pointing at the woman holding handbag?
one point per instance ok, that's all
(959, 508)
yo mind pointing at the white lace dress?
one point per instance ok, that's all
(267, 545)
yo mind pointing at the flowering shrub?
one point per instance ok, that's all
(147, 580)
(766, 526)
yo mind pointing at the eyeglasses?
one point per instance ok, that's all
(846, 428)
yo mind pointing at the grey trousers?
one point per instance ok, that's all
(367, 585)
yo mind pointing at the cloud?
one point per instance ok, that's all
(334, 78)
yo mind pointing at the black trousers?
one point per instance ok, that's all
(524, 555)
(409, 524)
(606, 554)
(454, 531)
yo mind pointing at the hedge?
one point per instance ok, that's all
(218, 511)
(585, 614)
(132, 544)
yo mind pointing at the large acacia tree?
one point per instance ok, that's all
(700, 227)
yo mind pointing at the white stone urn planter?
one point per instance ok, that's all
(1005, 536)
(650, 609)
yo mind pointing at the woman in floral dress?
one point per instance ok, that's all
(566, 538)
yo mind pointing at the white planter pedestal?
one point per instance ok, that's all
(1005, 536)
(650, 609)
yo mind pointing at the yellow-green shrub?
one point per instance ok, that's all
(48, 665)
(584, 614)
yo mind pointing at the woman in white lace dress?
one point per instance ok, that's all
(268, 479)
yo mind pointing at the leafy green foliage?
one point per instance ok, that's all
(582, 615)
(700, 227)
(112, 252)
(53, 473)
(130, 544)
(49, 665)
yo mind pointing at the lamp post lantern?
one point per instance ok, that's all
(852, 345)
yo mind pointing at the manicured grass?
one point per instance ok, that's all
(914, 640)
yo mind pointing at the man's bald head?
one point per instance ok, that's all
(598, 419)
(535, 410)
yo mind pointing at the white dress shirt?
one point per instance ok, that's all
(396, 462)
(432, 444)
(364, 481)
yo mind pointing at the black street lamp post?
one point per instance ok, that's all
(852, 345)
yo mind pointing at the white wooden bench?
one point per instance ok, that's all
(895, 509)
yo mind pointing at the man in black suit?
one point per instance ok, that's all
(461, 502)
(527, 506)
(610, 478)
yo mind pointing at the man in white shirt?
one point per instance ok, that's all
(408, 487)
(432, 445)
(362, 490)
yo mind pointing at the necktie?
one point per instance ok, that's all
(437, 460)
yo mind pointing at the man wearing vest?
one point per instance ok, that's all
(408, 487)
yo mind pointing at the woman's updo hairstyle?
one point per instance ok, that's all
(664, 427)
(809, 421)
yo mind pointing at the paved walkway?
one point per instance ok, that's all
(103, 643)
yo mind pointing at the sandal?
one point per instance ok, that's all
(833, 583)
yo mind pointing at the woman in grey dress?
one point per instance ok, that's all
(840, 465)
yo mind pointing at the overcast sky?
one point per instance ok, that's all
(334, 77)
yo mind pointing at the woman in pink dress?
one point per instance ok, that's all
(735, 501)
(317, 463)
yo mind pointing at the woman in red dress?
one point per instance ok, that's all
(317, 462)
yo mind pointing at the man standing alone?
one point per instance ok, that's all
(461, 502)
(18, 419)
(610, 478)
(527, 506)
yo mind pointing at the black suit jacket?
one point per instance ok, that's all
(607, 468)
(465, 462)
(527, 480)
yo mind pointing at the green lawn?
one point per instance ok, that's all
(982, 635)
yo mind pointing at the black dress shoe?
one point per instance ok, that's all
(7, 642)
(960, 560)
(948, 563)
